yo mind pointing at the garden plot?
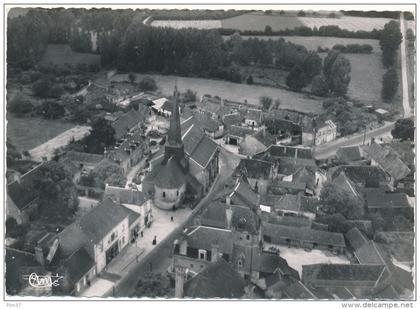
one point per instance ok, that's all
(48, 148)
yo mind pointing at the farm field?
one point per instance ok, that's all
(313, 42)
(258, 22)
(232, 91)
(179, 24)
(28, 133)
(60, 54)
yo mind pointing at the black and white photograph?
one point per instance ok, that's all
(203, 152)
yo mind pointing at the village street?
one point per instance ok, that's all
(329, 149)
(122, 273)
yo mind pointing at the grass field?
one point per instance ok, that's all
(60, 54)
(233, 91)
(313, 42)
(28, 133)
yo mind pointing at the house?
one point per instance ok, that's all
(218, 280)
(371, 281)
(236, 134)
(253, 118)
(129, 121)
(309, 176)
(232, 119)
(387, 159)
(256, 143)
(212, 127)
(292, 205)
(103, 232)
(364, 176)
(188, 166)
(378, 200)
(285, 131)
(128, 150)
(22, 197)
(325, 133)
(349, 154)
(356, 239)
(259, 173)
(243, 194)
(302, 237)
(137, 204)
(157, 105)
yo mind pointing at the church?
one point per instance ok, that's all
(187, 167)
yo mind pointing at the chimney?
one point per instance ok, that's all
(229, 214)
(214, 253)
(179, 281)
(39, 255)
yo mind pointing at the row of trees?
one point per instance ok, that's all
(390, 40)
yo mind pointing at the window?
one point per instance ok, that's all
(202, 254)
(177, 193)
(247, 237)
(163, 194)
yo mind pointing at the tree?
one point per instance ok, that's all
(56, 190)
(101, 136)
(336, 223)
(12, 153)
(189, 96)
(320, 86)
(147, 84)
(266, 102)
(296, 79)
(268, 30)
(390, 40)
(312, 66)
(301, 13)
(334, 200)
(19, 105)
(132, 77)
(41, 88)
(108, 173)
(404, 129)
(337, 70)
(389, 84)
(152, 285)
(52, 110)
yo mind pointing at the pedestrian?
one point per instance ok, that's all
(141, 234)
(172, 218)
(154, 241)
(173, 207)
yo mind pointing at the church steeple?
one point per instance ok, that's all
(174, 134)
(174, 146)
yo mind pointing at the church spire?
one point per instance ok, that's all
(174, 135)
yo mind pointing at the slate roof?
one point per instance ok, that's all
(167, 174)
(265, 138)
(244, 219)
(288, 202)
(254, 168)
(388, 159)
(198, 146)
(218, 280)
(77, 265)
(206, 122)
(203, 237)
(254, 115)
(360, 173)
(269, 263)
(84, 157)
(298, 290)
(232, 119)
(23, 193)
(356, 238)
(349, 154)
(342, 274)
(300, 186)
(301, 222)
(91, 228)
(127, 121)
(276, 231)
(306, 175)
(243, 194)
(239, 131)
(126, 196)
(381, 200)
(215, 216)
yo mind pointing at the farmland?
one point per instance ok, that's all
(27, 133)
(179, 24)
(60, 54)
(232, 91)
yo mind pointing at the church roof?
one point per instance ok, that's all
(168, 174)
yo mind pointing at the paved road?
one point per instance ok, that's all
(404, 81)
(160, 258)
(329, 149)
